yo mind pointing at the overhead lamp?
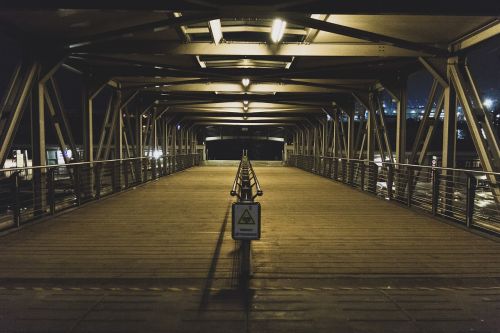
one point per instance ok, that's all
(278, 30)
(245, 102)
(245, 117)
(216, 30)
(245, 82)
(245, 108)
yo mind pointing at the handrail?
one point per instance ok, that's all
(88, 163)
(35, 194)
(235, 183)
(452, 193)
(256, 181)
(407, 165)
(242, 181)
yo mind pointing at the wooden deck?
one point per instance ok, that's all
(160, 258)
(179, 228)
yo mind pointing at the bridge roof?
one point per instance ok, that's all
(330, 49)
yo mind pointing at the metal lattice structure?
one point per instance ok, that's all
(170, 76)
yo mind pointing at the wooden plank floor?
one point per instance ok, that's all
(312, 228)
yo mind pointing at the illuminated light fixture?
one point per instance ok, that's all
(245, 82)
(245, 117)
(216, 30)
(202, 63)
(245, 102)
(245, 108)
(178, 127)
(157, 86)
(278, 30)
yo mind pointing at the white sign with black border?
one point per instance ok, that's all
(246, 221)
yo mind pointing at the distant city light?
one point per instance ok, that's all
(278, 30)
(245, 82)
(488, 103)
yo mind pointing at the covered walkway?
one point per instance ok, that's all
(160, 258)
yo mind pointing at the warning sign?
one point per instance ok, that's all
(246, 220)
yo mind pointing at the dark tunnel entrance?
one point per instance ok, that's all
(230, 149)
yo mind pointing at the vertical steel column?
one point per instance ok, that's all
(118, 141)
(449, 144)
(401, 123)
(350, 145)
(370, 152)
(39, 149)
(87, 114)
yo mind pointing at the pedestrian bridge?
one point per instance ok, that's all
(159, 257)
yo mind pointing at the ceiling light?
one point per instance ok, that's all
(278, 30)
(245, 117)
(245, 102)
(245, 82)
(216, 30)
(245, 108)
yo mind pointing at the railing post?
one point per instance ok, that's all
(390, 180)
(335, 162)
(435, 191)
(330, 164)
(153, 168)
(138, 170)
(362, 176)
(145, 169)
(471, 193)
(350, 172)
(372, 181)
(409, 183)
(343, 162)
(125, 172)
(98, 174)
(78, 191)
(113, 176)
(51, 191)
(16, 200)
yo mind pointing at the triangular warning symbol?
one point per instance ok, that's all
(246, 218)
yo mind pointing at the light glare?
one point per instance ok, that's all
(245, 82)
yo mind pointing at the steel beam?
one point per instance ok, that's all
(88, 129)
(364, 35)
(62, 118)
(376, 49)
(20, 91)
(482, 34)
(39, 149)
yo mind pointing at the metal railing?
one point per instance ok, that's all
(243, 189)
(245, 181)
(468, 197)
(27, 194)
